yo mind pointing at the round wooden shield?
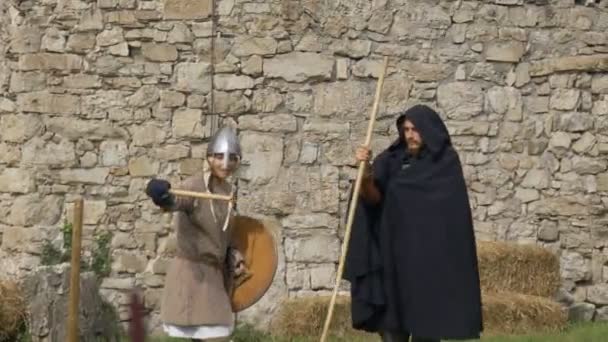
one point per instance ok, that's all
(258, 246)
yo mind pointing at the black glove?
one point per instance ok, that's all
(158, 190)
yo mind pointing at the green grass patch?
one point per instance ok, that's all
(588, 332)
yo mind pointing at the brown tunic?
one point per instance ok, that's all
(196, 287)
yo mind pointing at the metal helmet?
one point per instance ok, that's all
(225, 142)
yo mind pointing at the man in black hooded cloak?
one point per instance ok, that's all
(412, 260)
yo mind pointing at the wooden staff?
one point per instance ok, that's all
(353, 203)
(73, 315)
(203, 195)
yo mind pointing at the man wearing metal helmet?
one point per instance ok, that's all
(196, 299)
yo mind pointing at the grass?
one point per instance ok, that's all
(588, 332)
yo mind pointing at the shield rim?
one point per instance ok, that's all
(238, 308)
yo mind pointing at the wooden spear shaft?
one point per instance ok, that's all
(353, 203)
(73, 315)
(203, 195)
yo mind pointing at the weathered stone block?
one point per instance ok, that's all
(187, 9)
(344, 99)
(591, 63)
(27, 81)
(322, 276)
(537, 104)
(82, 81)
(171, 99)
(507, 101)
(352, 48)
(527, 195)
(599, 84)
(565, 99)
(19, 128)
(585, 143)
(43, 102)
(602, 182)
(233, 82)
(297, 277)
(598, 294)
(318, 248)
(247, 46)
(53, 40)
(75, 129)
(144, 96)
(159, 52)
(586, 166)
(574, 266)
(253, 66)
(362, 68)
(40, 152)
(114, 153)
(581, 312)
(308, 153)
(310, 221)
(548, 231)
(193, 77)
(80, 42)
(188, 123)
(233, 102)
(50, 61)
(537, 179)
(575, 122)
(460, 100)
(180, 34)
(560, 142)
(143, 167)
(84, 176)
(19, 239)
(16, 180)
(266, 101)
(192, 166)
(261, 158)
(34, 209)
(173, 152)
(129, 262)
(268, 123)
(505, 51)
(202, 30)
(299, 67)
(90, 20)
(9, 154)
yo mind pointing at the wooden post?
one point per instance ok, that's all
(353, 203)
(73, 313)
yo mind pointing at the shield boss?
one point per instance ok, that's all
(258, 246)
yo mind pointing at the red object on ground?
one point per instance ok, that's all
(136, 325)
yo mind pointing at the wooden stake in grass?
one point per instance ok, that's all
(353, 203)
(203, 195)
(73, 313)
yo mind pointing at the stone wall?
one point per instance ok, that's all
(99, 96)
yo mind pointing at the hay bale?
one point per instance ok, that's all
(503, 313)
(507, 313)
(525, 269)
(12, 310)
(306, 316)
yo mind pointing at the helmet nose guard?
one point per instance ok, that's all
(225, 142)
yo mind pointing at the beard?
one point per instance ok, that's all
(413, 147)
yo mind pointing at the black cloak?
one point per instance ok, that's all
(412, 259)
